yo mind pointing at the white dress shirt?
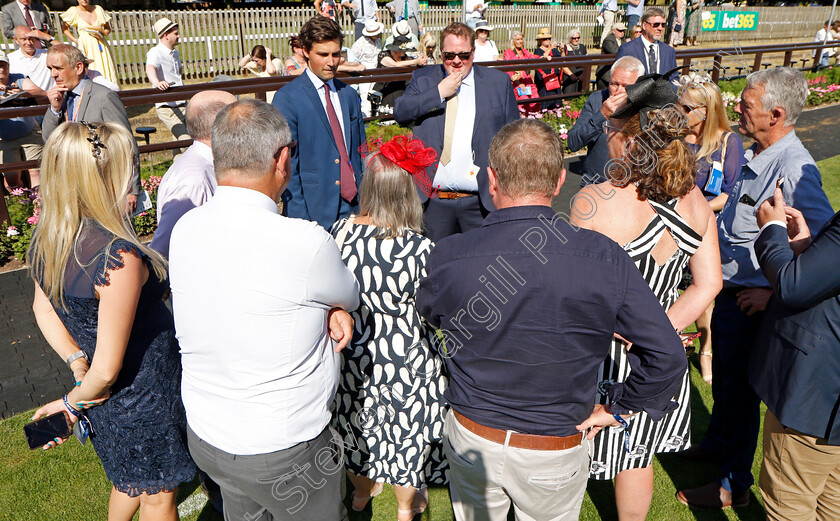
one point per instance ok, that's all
(655, 45)
(365, 10)
(336, 102)
(460, 174)
(168, 64)
(34, 67)
(251, 290)
(189, 182)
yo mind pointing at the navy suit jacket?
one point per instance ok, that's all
(588, 131)
(667, 56)
(795, 365)
(495, 107)
(314, 191)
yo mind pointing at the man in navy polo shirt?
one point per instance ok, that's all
(527, 305)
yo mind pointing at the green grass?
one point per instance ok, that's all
(68, 483)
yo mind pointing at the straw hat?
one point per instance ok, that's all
(543, 33)
(372, 28)
(163, 26)
(620, 26)
(482, 24)
(401, 28)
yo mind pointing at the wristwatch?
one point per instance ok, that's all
(75, 356)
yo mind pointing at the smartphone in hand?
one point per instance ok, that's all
(42, 431)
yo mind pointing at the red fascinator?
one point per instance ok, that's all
(413, 156)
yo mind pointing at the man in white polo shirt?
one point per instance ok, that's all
(255, 308)
(30, 61)
(163, 67)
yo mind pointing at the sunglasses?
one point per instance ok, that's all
(575, 38)
(607, 128)
(291, 146)
(656, 25)
(449, 56)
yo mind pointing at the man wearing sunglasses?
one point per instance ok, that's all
(656, 56)
(456, 109)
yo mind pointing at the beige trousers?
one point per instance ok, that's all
(800, 475)
(609, 20)
(485, 478)
(175, 121)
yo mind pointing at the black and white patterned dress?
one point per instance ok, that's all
(671, 433)
(389, 406)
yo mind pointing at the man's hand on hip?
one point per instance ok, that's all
(340, 324)
(753, 300)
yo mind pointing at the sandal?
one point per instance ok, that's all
(360, 502)
(706, 366)
(402, 515)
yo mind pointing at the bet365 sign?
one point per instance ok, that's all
(730, 20)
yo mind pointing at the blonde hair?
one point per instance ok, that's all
(76, 186)
(429, 39)
(695, 95)
(387, 195)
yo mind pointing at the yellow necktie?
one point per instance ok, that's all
(449, 129)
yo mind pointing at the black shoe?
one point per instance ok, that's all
(713, 497)
(698, 453)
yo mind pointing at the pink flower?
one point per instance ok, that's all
(33, 220)
(564, 136)
(17, 192)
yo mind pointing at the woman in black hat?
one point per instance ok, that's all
(652, 206)
(394, 55)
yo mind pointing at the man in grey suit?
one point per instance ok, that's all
(31, 14)
(74, 97)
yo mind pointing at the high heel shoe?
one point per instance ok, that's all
(360, 502)
(706, 366)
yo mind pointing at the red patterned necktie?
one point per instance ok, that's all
(348, 180)
(31, 25)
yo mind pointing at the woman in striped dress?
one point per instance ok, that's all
(652, 207)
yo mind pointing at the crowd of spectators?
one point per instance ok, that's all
(415, 312)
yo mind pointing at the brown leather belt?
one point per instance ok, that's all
(454, 195)
(519, 440)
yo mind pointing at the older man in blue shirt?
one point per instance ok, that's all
(528, 305)
(769, 107)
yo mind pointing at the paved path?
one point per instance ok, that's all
(31, 374)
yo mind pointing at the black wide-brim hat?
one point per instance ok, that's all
(650, 92)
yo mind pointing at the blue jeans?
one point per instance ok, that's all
(733, 430)
(632, 20)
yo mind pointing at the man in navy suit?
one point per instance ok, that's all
(795, 367)
(325, 117)
(456, 109)
(657, 56)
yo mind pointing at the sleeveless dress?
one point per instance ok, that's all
(389, 407)
(139, 433)
(671, 433)
(94, 44)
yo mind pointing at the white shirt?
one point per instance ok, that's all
(460, 174)
(819, 38)
(487, 52)
(365, 10)
(648, 45)
(168, 65)
(471, 10)
(34, 67)
(251, 291)
(336, 102)
(189, 183)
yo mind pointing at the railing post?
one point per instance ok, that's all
(716, 69)
(757, 62)
(788, 58)
(686, 68)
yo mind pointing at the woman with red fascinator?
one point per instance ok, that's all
(388, 408)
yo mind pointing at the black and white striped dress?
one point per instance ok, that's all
(671, 433)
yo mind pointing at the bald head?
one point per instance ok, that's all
(26, 44)
(202, 110)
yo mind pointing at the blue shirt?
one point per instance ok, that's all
(610, 5)
(14, 128)
(737, 227)
(637, 10)
(528, 310)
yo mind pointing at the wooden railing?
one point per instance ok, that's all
(213, 41)
(724, 62)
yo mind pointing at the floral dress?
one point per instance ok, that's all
(92, 42)
(389, 406)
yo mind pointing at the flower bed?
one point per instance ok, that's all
(561, 119)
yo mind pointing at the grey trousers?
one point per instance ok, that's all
(304, 482)
(485, 478)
